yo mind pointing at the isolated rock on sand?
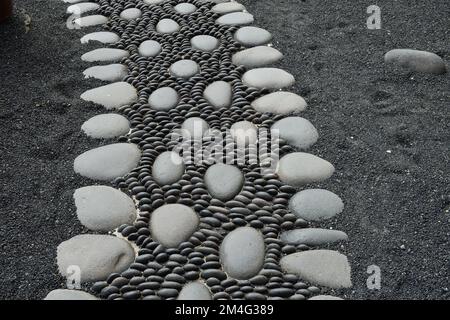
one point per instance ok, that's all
(280, 102)
(106, 126)
(269, 78)
(312, 236)
(252, 36)
(104, 55)
(100, 36)
(296, 131)
(112, 96)
(109, 72)
(316, 204)
(416, 60)
(256, 57)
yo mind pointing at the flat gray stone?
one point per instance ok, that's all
(106, 126)
(88, 21)
(296, 131)
(72, 1)
(219, 94)
(110, 72)
(313, 236)
(185, 8)
(224, 181)
(168, 168)
(96, 255)
(242, 253)
(320, 267)
(228, 7)
(235, 19)
(173, 224)
(299, 168)
(83, 7)
(269, 78)
(316, 204)
(252, 36)
(66, 294)
(153, 1)
(101, 36)
(149, 48)
(255, 57)
(105, 55)
(166, 26)
(244, 133)
(163, 99)
(108, 162)
(184, 68)
(204, 43)
(112, 96)
(195, 291)
(131, 14)
(325, 297)
(194, 128)
(280, 102)
(102, 208)
(416, 60)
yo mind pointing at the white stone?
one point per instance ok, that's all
(416, 60)
(255, 57)
(252, 36)
(163, 99)
(280, 102)
(205, 43)
(296, 131)
(316, 204)
(66, 294)
(219, 94)
(320, 267)
(172, 224)
(106, 126)
(112, 96)
(96, 256)
(168, 168)
(269, 78)
(195, 291)
(242, 253)
(149, 48)
(100, 36)
(131, 14)
(194, 128)
(184, 68)
(228, 7)
(167, 26)
(244, 133)
(102, 208)
(83, 7)
(89, 21)
(313, 236)
(110, 72)
(108, 162)
(325, 297)
(224, 181)
(153, 1)
(235, 19)
(185, 8)
(104, 55)
(72, 1)
(299, 168)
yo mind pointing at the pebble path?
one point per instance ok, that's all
(176, 228)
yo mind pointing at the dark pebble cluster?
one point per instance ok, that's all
(158, 272)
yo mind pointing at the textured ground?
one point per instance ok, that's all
(392, 198)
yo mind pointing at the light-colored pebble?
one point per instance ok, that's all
(280, 102)
(149, 48)
(185, 8)
(325, 297)
(106, 126)
(269, 78)
(195, 291)
(110, 72)
(250, 36)
(131, 14)
(89, 21)
(184, 68)
(163, 99)
(235, 19)
(153, 1)
(167, 26)
(416, 60)
(255, 57)
(205, 43)
(112, 96)
(219, 94)
(168, 168)
(228, 7)
(316, 204)
(296, 131)
(224, 181)
(313, 236)
(83, 7)
(104, 55)
(244, 133)
(194, 128)
(100, 36)
(66, 294)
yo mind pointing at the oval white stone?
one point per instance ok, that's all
(172, 224)
(316, 204)
(102, 208)
(96, 255)
(252, 36)
(167, 168)
(227, 7)
(296, 131)
(101, 36)
(66, 294)
(219, 94)
(270, 78)
(194, 128)
(195, 291)
(280, 102)
(167, 26)
(110, 72)
(163, 99)
(256, 57)
(184, 68)
(299, 168)
(325, 297)
(416, 60)
(313, 236)
(319, 267)
(244, 133)
(104, 54)
(149, 48)
(108, 162)
(89, 21)
(235, 19)
(106, 126)
(112, 96)
(153, 1)
(131, 14)
(185, 8)
(242, 253)
(204, 43)
(224, 181)
(83, 7)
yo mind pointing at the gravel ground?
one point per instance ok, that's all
(385, 131)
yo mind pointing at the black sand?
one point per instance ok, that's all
(360, 108)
